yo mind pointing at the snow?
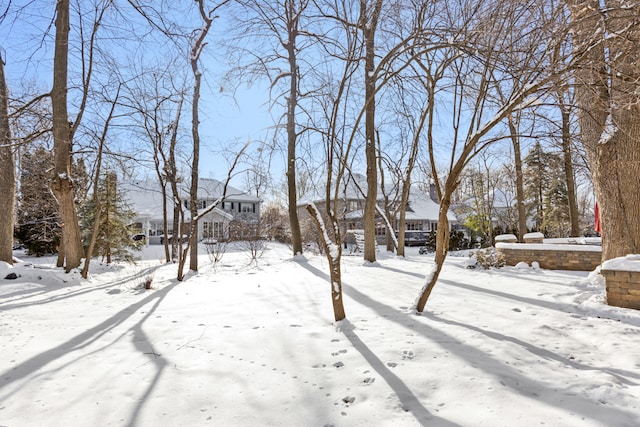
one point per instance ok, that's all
(255, 345)
(505, 237)
(609, 132)
(534, 235)
(626, 263)
(549, 247)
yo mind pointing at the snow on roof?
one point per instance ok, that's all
(145, 196)
(421, 207)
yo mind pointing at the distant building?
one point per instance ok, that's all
(237, 211)
(421, 212)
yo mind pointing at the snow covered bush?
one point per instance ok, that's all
(488, 257)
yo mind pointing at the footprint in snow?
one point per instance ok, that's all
(408, 355)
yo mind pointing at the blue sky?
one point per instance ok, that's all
(26, 47)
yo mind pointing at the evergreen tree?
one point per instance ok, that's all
(38, 219)
(546, 192)
(557, 222)
(114, 236)
(535, 181)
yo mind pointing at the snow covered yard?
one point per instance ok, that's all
(257, 346)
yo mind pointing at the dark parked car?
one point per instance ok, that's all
(139, 237)
(415, 238)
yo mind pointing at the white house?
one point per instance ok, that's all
(145, 198)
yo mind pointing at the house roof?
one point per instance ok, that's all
(354, 187)
(421, 207)
(145, 196)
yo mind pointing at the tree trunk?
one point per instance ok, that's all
(568, 166)
(369, 25)
(62, 184)
(7, 174)
(442, 249)
(334, 255)
(292, 102)
(196, 49)
(610, 117)
(193, 192)
(517, 156)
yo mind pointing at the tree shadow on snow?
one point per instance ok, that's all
(507, 375)
(90, 336)
(408, 400)
(42, 293)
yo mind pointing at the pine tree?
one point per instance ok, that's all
(38, 219)
(546, 192)
(114, 237)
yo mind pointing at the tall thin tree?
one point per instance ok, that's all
(7, 174)
(62, 184)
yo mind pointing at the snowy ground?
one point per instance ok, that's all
(257, 346)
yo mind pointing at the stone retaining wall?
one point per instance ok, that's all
(623, 288)
(552, 257)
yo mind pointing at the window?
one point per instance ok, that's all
(381, 230)
(414, 226)
(207, 230)
(218, 230)
(201, 204)
(247, 208)
(213, 230)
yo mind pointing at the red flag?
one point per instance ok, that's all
(596, 225)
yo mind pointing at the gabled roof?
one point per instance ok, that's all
(354, 187)
(211, 189)
(145, 196)
(421, 207)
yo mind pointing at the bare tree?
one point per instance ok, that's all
(513, 121)
(368, 24)
(280, 35)
(7, 176)
(607, 33)
(62, 184)
(96, 178)
(184, 251)
(197, 46)
(475, 75)
(157, 101)
(565, 104)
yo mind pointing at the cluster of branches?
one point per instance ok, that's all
(365, 85)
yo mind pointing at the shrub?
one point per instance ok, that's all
(488, 257)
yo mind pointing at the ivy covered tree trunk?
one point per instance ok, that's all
(7, 174)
